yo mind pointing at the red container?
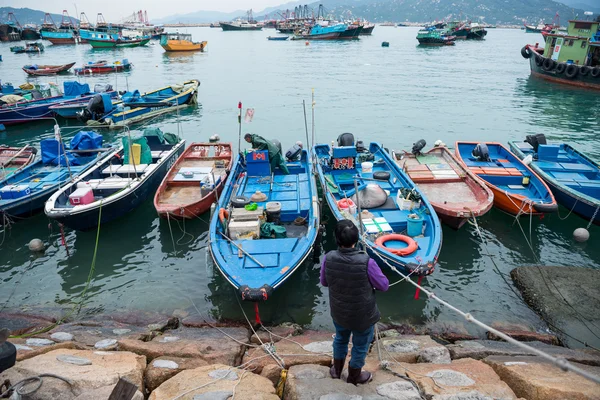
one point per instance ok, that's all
(81, 196)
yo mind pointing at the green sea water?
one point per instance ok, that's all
(476, 90)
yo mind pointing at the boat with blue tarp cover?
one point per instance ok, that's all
(398, 224)
(118, 183)
(25, 111)
(25, 192)
(257, 254)
(135, 107)
(573, 177)
(517, 189)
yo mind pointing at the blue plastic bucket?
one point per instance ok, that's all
(414, 227)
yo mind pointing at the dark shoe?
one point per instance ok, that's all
(336, 369)
(358, 376)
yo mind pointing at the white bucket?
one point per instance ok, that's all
(366, 166)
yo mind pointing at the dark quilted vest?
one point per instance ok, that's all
(351, 296)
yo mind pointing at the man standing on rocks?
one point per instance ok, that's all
(352, 277)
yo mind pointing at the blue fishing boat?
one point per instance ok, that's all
(135, 107)
(517, 189)
(25, 192)
(118, 183)
(398, 224)
(32, 110)
(322, 31)
(254, 255)
(573, 177)
(274, 38)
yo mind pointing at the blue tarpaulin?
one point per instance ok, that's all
(86, 141)
(75, 88)
(131, 97)
(52, 154)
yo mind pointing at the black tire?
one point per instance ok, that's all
(539, 60)
(525, 52)
(239, 201)
(595, 72)
(584, 70)
(8, 356)
(560, 68)
(571, 71)
(381, 175)
(548, 64)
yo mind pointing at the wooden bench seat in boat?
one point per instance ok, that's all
(107, 183)
(124, 169)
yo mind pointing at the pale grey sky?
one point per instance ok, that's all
(114, 10)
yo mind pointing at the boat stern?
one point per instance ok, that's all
(255, 294)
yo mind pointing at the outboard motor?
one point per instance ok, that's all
(417, 147)
(97, 107)
(481, 152)
(360, 147)
(345, 139)
(293, 153)
(535, 140)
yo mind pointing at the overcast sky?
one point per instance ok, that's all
(114, 10)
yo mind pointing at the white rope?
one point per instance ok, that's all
(593, 217)
(559, 362)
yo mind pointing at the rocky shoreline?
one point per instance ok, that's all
(190, 358)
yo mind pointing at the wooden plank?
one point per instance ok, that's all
(124, 390)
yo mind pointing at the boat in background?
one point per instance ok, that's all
(466, 30)
(103, 67)
(180, 42)
(30, 32)
(249, 25)
(10, 31)
(42, 70)
(400, 227)
(517, 189)
(195, 181)
(322, 31)
(432, 36)
(116, 184)
(66, 33)
(258, 253)
(118, 43)
(573, 177)
(277, 38)
(455, 193)
(34, 47)
(13, 159)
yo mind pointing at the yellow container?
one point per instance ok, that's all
(525, 180)
(136, 154)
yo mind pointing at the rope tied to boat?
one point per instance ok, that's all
(593, 217)
(19, 387)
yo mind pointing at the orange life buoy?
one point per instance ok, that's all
(223, 215)
(412, 245)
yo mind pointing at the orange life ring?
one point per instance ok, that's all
(223, 215)
(412, 245)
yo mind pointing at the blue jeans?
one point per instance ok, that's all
(360, 344)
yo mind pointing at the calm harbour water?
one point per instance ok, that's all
(396, 95)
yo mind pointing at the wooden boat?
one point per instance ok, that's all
(114, 186)
(455, 193)
(195, 181)
(135, 107)
(41, 70)
(573, 177)
(241, 242)
(277, 37)
(102, 67)
(118, 43)
(25, 192)
(517, 189)
(401, 230)
(180, 42)
(13, 159)
(33, 47)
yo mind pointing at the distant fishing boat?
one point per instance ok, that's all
(432, 36)
(13, 159)
(118, 43)
(195, 181)
(180, 42)
(455, 193)
(30, 32)
(103, 67)
(41, 70)
(118, 183)
(573, 177)
(249, 25)
(466, 30)
(399, 225)
(255, 252)
(322, 31)
(25, 192)
(277, 38)
(11, 30)
(517, 189)
(66, 33)
(34, 47)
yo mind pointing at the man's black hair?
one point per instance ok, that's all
(346, 233)
(247, 136)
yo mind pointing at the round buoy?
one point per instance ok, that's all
(307, 43)
(36, 245)
(214, 138)
(385, 44)
(581, 235)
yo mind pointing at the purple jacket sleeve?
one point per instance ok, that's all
(376, 277)
(323, 279)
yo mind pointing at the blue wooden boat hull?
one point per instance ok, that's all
(423, 260)
(112, 207)
(576, 187)
(280, 256)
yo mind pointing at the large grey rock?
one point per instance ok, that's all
(399, 390)
(61, 336)
(164, 368)
(434, 355)
(106, 344)
(404, 348)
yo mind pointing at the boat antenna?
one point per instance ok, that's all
(240, 127)
(308, 144)
(58, 137)
(313, 116)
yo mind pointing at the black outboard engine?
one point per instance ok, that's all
(293, 153)
(94, 109)
(417, 147)
(535, 140)
(481, 152)
(345, 139)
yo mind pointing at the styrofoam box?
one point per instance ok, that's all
(243, 228)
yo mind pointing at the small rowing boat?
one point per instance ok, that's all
(102, 67)
(195, 181)
(13, 159)
(42, 70)
(277, 38)
(455, 193)
(517, 189)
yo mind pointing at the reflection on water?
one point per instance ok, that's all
(393, 95)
